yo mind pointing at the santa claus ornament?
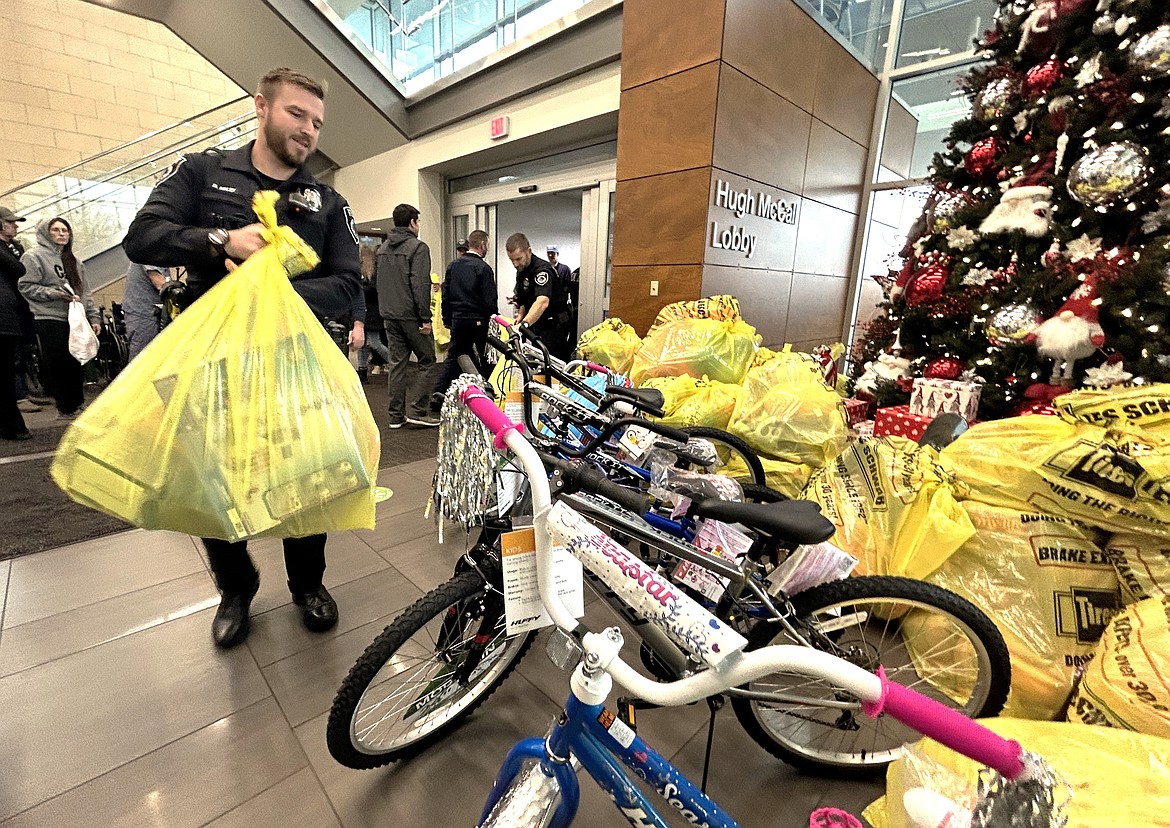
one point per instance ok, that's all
(1072, 333)
(1026, 205)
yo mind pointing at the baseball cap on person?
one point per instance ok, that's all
(552, 248)
(462, 245)
(8, 215)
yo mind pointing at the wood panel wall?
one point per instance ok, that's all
(753, 92)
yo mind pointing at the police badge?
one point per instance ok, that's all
(308, 198)
(542, 278)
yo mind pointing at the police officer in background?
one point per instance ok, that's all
(200, 215)
(541, 299)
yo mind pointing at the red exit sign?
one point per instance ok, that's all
(499, 127)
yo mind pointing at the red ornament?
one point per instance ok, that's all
(1111, 92)
(1041, 78)
(928, 284)
(946, 368)
(982, 157)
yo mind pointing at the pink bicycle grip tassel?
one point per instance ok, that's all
(497, 421)
(948, 727)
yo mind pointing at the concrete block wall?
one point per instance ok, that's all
(79, 79)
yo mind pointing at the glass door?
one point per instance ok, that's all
(596, 254)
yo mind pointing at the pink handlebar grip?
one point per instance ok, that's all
(600, 369)
(502, 321)
(497, 421)
(948, 727)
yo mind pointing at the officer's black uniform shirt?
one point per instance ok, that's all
(540, 278)
(203, 191)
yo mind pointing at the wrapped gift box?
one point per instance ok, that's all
(932, 397)
(898, 420)
(857, 411)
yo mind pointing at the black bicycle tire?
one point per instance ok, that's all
(461, 587)
(759, 478)
(853, 589)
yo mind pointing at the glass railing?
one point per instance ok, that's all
(421, 41)
(100, 195)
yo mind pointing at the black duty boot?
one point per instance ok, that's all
(231, 624)
(318, 609)
(363, 375)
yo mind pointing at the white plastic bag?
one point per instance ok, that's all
(83, 342)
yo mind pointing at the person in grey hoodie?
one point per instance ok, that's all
(53, 278)
(403, 275)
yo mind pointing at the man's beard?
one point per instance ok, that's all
(278, 143)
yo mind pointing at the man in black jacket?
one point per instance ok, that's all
(469, 301)
(541, 300)
(200, 215)
(12, 309)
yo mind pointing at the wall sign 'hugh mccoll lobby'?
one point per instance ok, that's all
(759, 223)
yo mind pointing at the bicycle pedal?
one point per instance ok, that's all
(625, 711)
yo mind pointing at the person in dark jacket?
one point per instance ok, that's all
(404, 297)
(375, 339)
(541, 300)
(469, 301)
(200, 215)
(53, 278)
(12, 309)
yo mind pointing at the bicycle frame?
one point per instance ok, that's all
(597, 739)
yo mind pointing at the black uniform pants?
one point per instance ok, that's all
(557, 337)
(11, 421)
(304, 562)
(61, 373)
(468, 337)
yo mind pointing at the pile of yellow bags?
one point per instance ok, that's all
(695, 402)
(241, 418)
(1117, 778)
(719, 349)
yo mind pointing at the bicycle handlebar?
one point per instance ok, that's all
(878, 694)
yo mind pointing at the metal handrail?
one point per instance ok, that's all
(131, 166)
(120, 147)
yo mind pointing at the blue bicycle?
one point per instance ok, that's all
(537, 784)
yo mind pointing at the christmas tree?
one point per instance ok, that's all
(1040, 262)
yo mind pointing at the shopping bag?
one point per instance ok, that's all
(83, 342)
(242, 418)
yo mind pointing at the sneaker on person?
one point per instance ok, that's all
(425, 421)
(27, 406)
(437, 402)
(396, 422)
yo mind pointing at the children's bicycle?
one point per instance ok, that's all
(537, 784)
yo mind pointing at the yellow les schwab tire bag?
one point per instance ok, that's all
(1116, 478)
(1118, 778)
(892, 509)
(1045, 583)
(242, 418)
(1142, 563)
(720, 350)
(611, 343)
(1127, 684)
(786, 410)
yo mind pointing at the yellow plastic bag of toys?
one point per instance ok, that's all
(1127, 684)
(1118, 778)
(786, 410)
(611, 343)
(718, 349)
(724, 308)
(242, 418)
(1115, 478)
(695, 402)
(893, 509)
(1147, 406)
(1050, 590)
(1142, 563)
(782, 475)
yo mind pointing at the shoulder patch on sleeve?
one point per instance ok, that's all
(349, 222)
(542, 278)
(172, 169)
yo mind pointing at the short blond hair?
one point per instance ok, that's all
(272, 80)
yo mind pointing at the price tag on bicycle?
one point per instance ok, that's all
(636, 441)
(523, 609)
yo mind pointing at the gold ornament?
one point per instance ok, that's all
(1109, 174)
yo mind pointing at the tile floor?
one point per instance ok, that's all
(118, 711)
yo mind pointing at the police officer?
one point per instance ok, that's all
(541, 299)
(200, 215)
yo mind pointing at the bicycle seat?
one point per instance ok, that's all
(798, 521)
(650, 397)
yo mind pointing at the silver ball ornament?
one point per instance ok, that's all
(1104, 24)
(993, 100)
(1150, 53)
(1109, 174)
(1011, 324)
